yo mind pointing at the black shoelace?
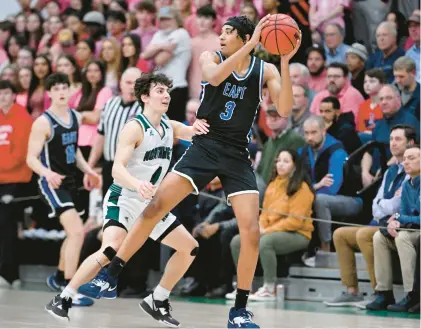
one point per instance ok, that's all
(66, 303)
(165, 305)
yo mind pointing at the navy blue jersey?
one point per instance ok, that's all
(231, 107)
(59, 152)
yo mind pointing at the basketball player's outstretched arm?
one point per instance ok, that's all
(181, 131)
(40, 132)
(279, 85)
(131, 136)
(216, 73)
(92, 179)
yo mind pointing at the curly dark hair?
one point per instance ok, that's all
(146, 81)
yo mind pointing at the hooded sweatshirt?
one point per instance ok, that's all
(15, 127)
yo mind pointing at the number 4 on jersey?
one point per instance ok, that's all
(229, 110)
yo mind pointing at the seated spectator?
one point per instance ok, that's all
(356, 56)
(327, 177)
(398, 20)
(67, 64)
(85, 52)
(170, 48)
(6, 29)
(289, 193)
(387, 202)
(300, 75)
(335, 49)
(404, 70)
(206, 40)
(281, 138)
(414, 33)
(74, 22)
(95, 26)
(416, 288)
(300, 109)
(392, 115)
(340, 87)
(316, 60)
(388, 51)
(15, 126)
(369, 112)
(25, 58)
(403, 242)
(339, 125)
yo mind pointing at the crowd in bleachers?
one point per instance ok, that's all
(349, 151)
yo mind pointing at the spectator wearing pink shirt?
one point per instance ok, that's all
(67, 64)
(145, 16)
(24, 79)
(316, 60)
(90, 100)
(340, 87)
(208, 40)
(6, 29)
(323, 12)
(190, 24)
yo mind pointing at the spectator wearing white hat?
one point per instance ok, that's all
(356, 56)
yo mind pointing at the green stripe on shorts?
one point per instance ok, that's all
(113, 211)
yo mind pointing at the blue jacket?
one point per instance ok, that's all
(377, 60)
(336, 163)
(413, 105)
(410, 202)
(381, 132)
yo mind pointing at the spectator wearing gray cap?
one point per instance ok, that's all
(95, 26)
(414, 33)
(356, 56)
(170, 49)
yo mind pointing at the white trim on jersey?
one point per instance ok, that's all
(53, 193)
(248, 72)
(59, 121)
(262, 72)
(239, 193)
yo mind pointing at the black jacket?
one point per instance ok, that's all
(343, 129)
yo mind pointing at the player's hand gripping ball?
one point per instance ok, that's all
(280, 35)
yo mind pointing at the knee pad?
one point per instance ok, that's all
(194, 251)
(110, 253)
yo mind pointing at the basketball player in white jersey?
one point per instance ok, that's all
(141, 162)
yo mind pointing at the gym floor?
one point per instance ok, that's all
(25, 309)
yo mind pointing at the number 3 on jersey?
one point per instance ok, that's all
(229, 110)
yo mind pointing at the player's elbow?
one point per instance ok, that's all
(115, 171)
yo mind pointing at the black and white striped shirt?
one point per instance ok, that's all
(113, 117)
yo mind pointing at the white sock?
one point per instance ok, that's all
(68, 292)
(161, 293)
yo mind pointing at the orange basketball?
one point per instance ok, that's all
(280, 35)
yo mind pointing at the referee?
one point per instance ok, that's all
(117, 111)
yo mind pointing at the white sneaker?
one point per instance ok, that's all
(309, 261)
(263, 295)
(4, 284)
(231, 295)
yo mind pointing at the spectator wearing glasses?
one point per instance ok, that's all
(388, 52)
(340, 87)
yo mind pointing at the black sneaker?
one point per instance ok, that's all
(160, 311)
(59, 307)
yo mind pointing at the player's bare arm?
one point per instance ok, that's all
(91, 179)
(215, 72)
(181, 131)
(131, 136)
(40, 133)
(281, 96)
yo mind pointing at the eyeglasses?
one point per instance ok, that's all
(334, 76)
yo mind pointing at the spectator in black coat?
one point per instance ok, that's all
(340, 125)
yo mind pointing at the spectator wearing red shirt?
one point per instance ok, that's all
(340, 87)
(15, 126)
(369, 111)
